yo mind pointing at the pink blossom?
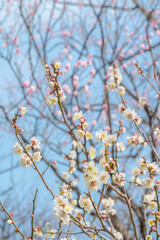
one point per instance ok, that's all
(86, 88)
(75, 84)
(158, 32)
(16, 41)
(90, 56)
(76, 108)
(65, 50)
(93, 72)
(75, 93)
(1, 29)
(105, 106)
(94, 122)
(26, 83)
(68, 65)
(75, 78)
(66, 89)
(69, 115)
(17, 51)
(69, 57)
(59, 113)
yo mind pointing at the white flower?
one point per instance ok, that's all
(17, 149)
(118, 236)
(115, 74)
(149, 200)
(9, 221)
(85, 203)
(103, 177)
(25, 160)
(138, 120)
(78, 145)
(107, 203)
(35, 142)
(118, 179)
(23, 111)
(102, 162)
(157, 132)
(57, 64)
(66, 175)
(51, 233)
(120, 146)
(90, 168)
(151, 222)
(142, 101)
(92, 152)
(129, 114)
(80, 133)
(111, 138)
(77, 115)
(148, 183)
(121, 107)
(37, 156)
(101, 136)
(148, 237)
(88, 135)
(62, 98)
(74, 183)
(73, 154)
(136, 172)
(51, 101)
(121, 91)
(62, 208)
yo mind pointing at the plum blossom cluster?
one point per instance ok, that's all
(100, 169)
(136, 140)
(114, 84)
(57, 91)
(149, 182)
(31, 155)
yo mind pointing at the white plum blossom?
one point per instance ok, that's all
(37, 156)
(51, 101)
(35, 142)
(23, 111)
(157, 132)
(120, 146)
(77, 116)
(135, 140)
(107, 203)
(89, 135)
(86, 204)
(62, 208)
(148, 237)
(17, 149)
(25, 160)
(115, 75)
(51, 234)
(121, 91)
(118, 179)
(103, 177)
(148, 182)
(101, 136)
(80, 133)
(66, 175)
(92, 152)
(73, 154)
(142, 101)
(136, 172)
(57, 64)
(78, 144)
(129, 114)
(149, 199)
